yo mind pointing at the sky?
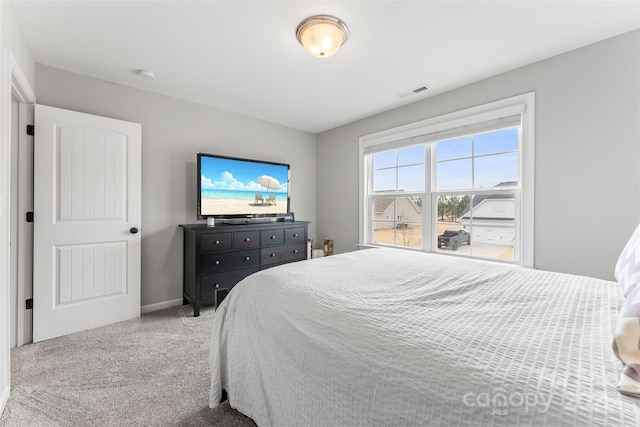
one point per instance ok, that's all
(231, 174)
(462, 163)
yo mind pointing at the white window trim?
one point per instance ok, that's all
(524, 103)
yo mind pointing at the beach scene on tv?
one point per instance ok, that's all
(233, 187)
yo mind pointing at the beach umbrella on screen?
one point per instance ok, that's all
(270, 182)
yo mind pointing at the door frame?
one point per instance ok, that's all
(14, 83)
(24, 322)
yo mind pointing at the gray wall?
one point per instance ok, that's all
(173, 131)
(587, 185)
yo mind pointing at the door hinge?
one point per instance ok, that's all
(29, 304)
(29, 216)
(31, 130)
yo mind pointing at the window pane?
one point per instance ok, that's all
(385, 159)
(411, 155)
(496, 142)
(453, 174)
(409, 234)
(451, 208)
(483, 228)
(492, 226)
(497, 169)
(411, 178)
(407, 210)
(384, 180)
(383, 232)
(453, 148)
(449, 224)
(397, 221)
(384, 209)
(384, 214)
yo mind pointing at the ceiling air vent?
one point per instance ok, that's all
(411, 92)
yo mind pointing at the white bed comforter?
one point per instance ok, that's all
(388, 337)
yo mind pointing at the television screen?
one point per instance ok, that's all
(231, 187)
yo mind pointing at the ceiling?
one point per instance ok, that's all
(243, 57)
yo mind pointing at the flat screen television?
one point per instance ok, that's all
(235, 188)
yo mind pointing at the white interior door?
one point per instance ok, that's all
(87, 215)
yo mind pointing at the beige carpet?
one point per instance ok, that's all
(151, 371)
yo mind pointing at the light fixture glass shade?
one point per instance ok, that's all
(322, 35)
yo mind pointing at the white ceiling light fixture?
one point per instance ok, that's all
(322, 35)
(147, 75)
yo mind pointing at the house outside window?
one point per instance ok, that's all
(459, 184)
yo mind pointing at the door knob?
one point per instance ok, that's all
(133, 230)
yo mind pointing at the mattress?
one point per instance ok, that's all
(389, 337)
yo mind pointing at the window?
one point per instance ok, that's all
(460, 184)
(398, 188)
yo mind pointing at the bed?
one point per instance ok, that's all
(389, 337)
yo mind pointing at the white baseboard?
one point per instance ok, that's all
(4, 396)
(160, 305)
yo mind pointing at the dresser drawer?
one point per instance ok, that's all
(246, 239)
(272, 237)
(211, 283)
(280, 254)
(294, 235)
(225, 261)
(215, 242)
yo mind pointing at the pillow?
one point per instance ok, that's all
(626, 342)
(627, 270)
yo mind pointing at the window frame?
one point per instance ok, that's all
(403, 136)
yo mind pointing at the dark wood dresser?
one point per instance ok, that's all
(216, 258)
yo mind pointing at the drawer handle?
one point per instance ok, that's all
(247, 258)
(217, 242)
(295, 251)
(272, 255)
(295, 234)
(217, 262)
(273, 237)
(216, 286)
(247, 239)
